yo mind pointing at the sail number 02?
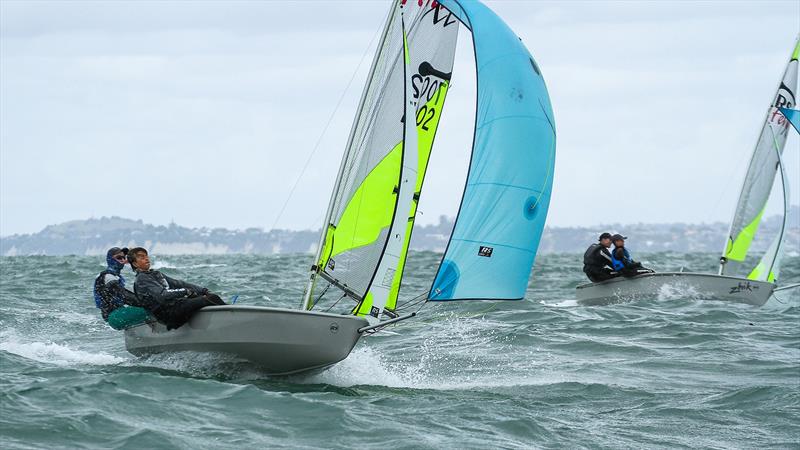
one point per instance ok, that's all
(425, 115)
(423, 87)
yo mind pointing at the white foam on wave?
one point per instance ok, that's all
(53, 353)
(78, 318)
(569, 303)
(198, 266)
(364, 366)
(449, 358)
(367, 367)
(675, 291)
(161, 264)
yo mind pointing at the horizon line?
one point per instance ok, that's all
(448, 218)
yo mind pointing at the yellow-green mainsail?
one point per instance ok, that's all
(370, 210)
(425, 144)
(737, 248)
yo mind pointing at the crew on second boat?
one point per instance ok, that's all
(597, 262)
(622, 260)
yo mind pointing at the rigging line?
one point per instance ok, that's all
(406, 307)
(409, 304)
(325, 129)
(320, 296)
(424, 293)
(336, 302)
(412, 302)
(422, 306)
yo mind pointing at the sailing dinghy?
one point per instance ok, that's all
(741, 279)
(364, 244)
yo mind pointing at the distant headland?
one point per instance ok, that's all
(95, 236)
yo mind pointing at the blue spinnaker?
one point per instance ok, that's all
(507, 193)
(793, 116)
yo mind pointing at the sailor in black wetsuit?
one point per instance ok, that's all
(172, 301)
(597, 262)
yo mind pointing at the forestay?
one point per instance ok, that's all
(507, 193)
(758, 185)
(363, 248)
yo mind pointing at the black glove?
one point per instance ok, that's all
(214, 299)
(204, 291)
(190, 293)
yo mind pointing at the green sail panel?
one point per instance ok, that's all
(365, 201)
(760, 178)
(367, 213)
(430, 53)
(427, 123)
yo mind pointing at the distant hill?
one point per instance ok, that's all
(95, 236)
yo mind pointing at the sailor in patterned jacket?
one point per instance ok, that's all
(118, 306)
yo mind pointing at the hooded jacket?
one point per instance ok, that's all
(109, 288)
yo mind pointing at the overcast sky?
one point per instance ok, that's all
(204, 113)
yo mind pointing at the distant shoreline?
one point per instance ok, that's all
(95, 236)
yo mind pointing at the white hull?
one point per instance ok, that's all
(675, 284)
(282, 341)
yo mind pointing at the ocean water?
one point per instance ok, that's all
(539, 373)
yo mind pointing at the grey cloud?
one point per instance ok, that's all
(40, 18)
(219, 106)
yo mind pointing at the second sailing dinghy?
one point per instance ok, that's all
(741, 278)
(364, 244)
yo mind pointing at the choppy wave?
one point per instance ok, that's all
(543, 372)
(53, 353)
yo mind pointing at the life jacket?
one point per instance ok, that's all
(620, 264)
(104, 298)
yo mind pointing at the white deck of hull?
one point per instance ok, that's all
(684, 284)
(282, 341)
